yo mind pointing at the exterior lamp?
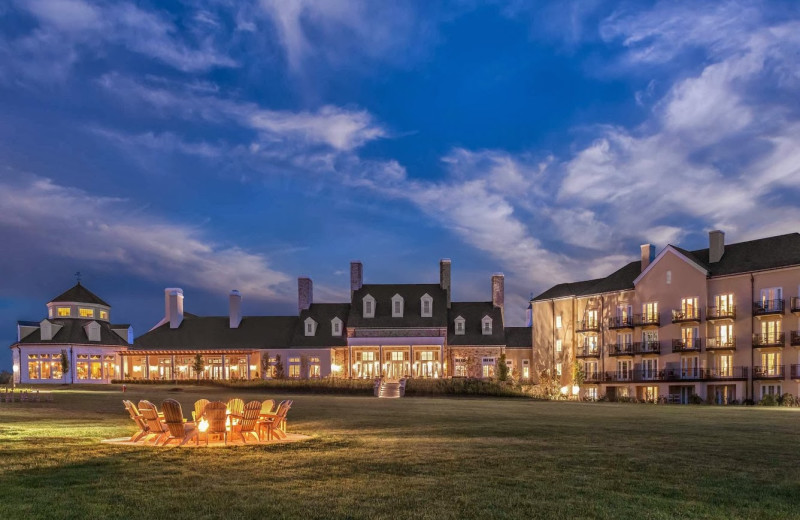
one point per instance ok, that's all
(336, 368)
(564, 390)
(16, 368)
(576, 389)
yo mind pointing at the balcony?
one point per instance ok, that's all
(794, 338)
(721, 343)
(620, 322)
(768, 307)
(794, 304)
(593, 377)
(644, 375)
(773, 372)
(687, 315)
(588, 326)
(588, 352)
(682, 374)
(721, 313)
(689, 345)
(620, 349)
(725, 374)
(769, 340)
(618, 376)
(647, 347)
(646, 320)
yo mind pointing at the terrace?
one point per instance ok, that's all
(794, 304)
(620, 322)
(769, 340)
(769, 372)
(769, 307)
(587, 326)
(621, 349)
(686, 345)
(588, 352)
(647, 347)
(716, 343)
(721, 313)
(691, 314)
(647, 320)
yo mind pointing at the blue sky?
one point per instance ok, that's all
(215, 144)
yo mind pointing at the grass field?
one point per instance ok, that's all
(407, 458)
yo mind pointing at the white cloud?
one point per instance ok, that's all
(69, 223)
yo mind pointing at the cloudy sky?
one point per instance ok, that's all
(224, 144)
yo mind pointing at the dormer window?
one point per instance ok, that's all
(369, 306)
(486, 325)
(426, 304)
(336, 327)
(397, 306)
(310, 326)
(459, 322)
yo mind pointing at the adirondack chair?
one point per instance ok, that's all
(267, 406)
(199, 406)
(248, 421)
(275, 424)
(144, 430)
(216, 415)
(235, 409)
(177, 429)
(154, 421)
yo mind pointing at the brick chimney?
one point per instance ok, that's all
(235, 309)
(356, 276)
(305, 294)
(173, 306)
(716, 245)
(648, 255)
(444, 277)
(498, 290)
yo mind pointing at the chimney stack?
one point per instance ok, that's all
(648, 255)
(498, 290)
(716, 245)
(444, 277)
(235, 309)
(305, 294)
(356, 276)
(173, 303)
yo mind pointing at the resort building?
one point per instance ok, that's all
(719, 324)
(389, 330)
(77, 327)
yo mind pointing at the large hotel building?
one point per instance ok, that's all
(718, 324)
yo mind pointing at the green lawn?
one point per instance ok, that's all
(407, 458)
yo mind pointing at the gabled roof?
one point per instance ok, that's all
(620, 280)
(682, 254)
(519, 337)
(412, 311)
(323, 314)
(79, 294)
(563, 290)
(214, 333)
(753, 255)
(473, 314)
(72, 332)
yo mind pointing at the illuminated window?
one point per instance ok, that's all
(558, 321)
(460, 367)
(103, 315)
(650, 312)
(526, 369)
(63, 312)
(294, 371)
(488, 367)
(86, 313)
(82, 369)
(313, 367)
(95, 370)
(559, 345)
(33, 370)
(50, 312)
(558, 369)
(591, 393)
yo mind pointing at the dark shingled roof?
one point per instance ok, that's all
(519, 337)
(72, 332)
(742, 257)
(412, 312)
(473, 313)
(322, 313)
(79, 294)
(214, 332)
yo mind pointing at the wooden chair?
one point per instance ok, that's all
(199, 406)
(248, 421)
(154, 421)
(144, 430)
(275, 424)
(216, 415)
(235, 406)
(176, 424)
(267, 406)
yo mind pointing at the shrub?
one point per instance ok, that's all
(696, 399)
(769, 400)
(5, 377)
(748, 402)
(787, 399)
(734, 401)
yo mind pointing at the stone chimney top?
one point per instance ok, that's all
(498, 290)
(716, 245)
(444, 277)
(173, 303)
(356, 276)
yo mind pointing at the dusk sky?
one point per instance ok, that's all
(222, 144)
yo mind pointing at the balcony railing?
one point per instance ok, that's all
(588, 352)
(721, 313)
(619, 375)
(795, 304)
(686, 345)
(620, 349)
(620, 322)
(769, 340)
(683, 374)
(680, 316)
(646, 320)
(593, 377)
(726, 373)
(721, 343)
(794, 338)
(795, 371)
(765, 307)
(647, 347)
(769, 372)
(588, 326)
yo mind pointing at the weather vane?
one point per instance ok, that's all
(78, 277)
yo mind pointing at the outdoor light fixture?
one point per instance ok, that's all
(137, 368)
(564, 390)
(336, 368)
(252, 367)
(576, 389)
(16, 368)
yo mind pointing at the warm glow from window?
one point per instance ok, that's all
(103, 315)
(86, 313)
(63, 311)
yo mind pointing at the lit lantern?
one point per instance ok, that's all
(564, 390)
(202, 426)
(576, 389)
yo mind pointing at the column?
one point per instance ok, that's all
(122, 366)
(411, 361)
(441, 362)
(248, 367)
(223, 367)
(172, 367)
(380, 360)
(350, 360)
(147, 366)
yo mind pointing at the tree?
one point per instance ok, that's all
(198, 365)
(265, 365)
(64, 363)
(578, 376)
(502, 368)
(279, 367)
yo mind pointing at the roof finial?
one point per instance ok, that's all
(78, 277)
